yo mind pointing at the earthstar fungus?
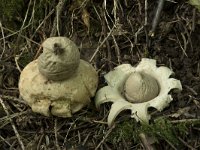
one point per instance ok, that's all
(58, 82)
(137, 89)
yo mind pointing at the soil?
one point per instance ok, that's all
(175, 44)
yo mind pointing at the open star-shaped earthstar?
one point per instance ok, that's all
(137, 89)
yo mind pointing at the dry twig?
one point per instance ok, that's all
(56, 134)
(157, 17)
(24, 21)
(145, 142)
(12, 124)
(4, 42)
(101, 44)
(56, 27)
(106, 135)
(186, 144)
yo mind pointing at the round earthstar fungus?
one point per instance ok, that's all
(58, 82)
(137, 89)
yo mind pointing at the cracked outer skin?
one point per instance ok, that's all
(59, 98)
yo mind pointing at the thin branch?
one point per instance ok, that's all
(104, 28)
(104, 138)
(185, 121)
(59, 9)
(43, 21)
(12, 124)
(20, 32)
(13, 33)
(145, 142)
(97, 50)
(145, 12)
(3, 139)
(56, 134)
(186, 144)
(4, 42)
(117, 50)
(157, 17)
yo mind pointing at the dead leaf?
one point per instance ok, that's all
(195, 3)
(86, 18)
(181, 111)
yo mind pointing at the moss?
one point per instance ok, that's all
(161, 129)
(40, 9)
(25, 58)
(11, 11)
(14, 11)
(146, 52)
(195, 3)
(124, 131)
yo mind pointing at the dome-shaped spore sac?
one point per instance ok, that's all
(60, 58)
(140, 87)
